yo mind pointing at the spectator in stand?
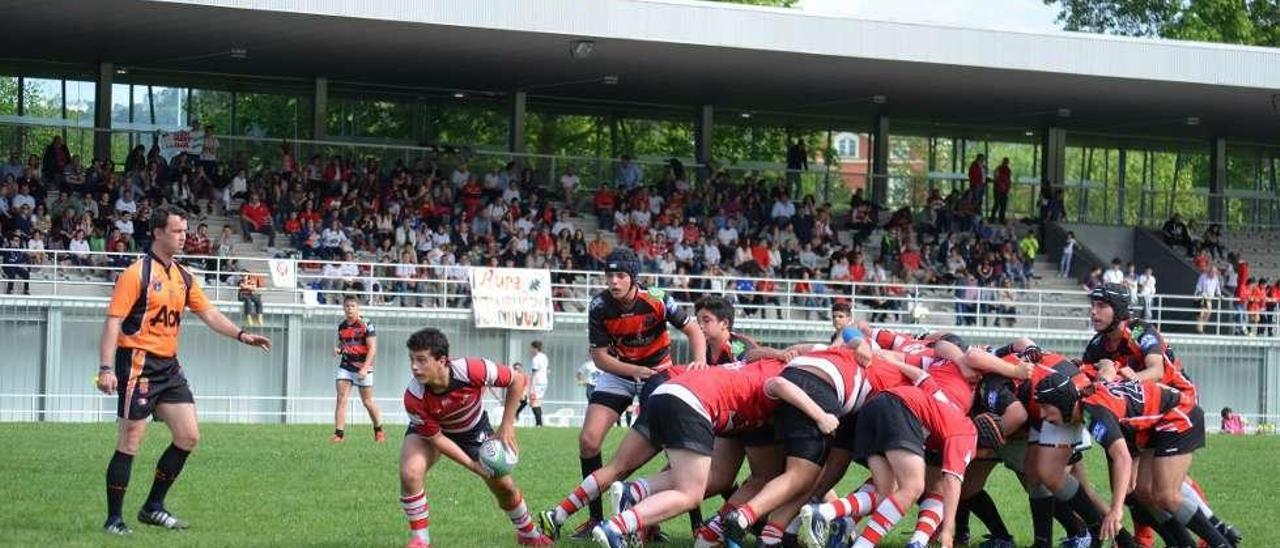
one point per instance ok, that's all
(1147, 292)
(1232, 423)
(126, 203)
(1273, 308)
(913, 268)
(1209, 290)
(198, 244)
(120, 260)
(1068, 252)
(1241, 269)
(1201, 261)
(1094, 279)
(569, 183)
(1175, 232)
(1003, 184)
(79, 248)
(14, 256)
(783, 210)
(250, 295)
(1255, 301)
(1211, 242)
(628, 176)
(978, 180)
(255, 216)
(56, 160)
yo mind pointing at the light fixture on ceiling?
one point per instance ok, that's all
(745, 115)
(609, 80)
(239, 53)
(1064, 113)
(581, 49)
(879, 99)
(1193, 120)
(122, 70)
(459, 95)
(1030, 134)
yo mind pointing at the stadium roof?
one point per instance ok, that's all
(774, 62)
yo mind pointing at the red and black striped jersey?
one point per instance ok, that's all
(636, 334)
(1049, 363)
(459, 407)
(1137, 341)
(1132, 410)
(353, 341)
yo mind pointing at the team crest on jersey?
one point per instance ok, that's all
(156, 286)
(1099, 431)
(737, 348)
(656, 293)
(992, 396)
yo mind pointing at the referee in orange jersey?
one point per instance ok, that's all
(139, 362)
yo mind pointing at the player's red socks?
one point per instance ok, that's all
(418, 511)
(771, 535)
(583, 494)
(886, 515)
(519, 516)
(929, 519)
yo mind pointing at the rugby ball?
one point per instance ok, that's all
(497, 458)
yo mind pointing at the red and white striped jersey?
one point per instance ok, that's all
(840, 364)
(460, 407)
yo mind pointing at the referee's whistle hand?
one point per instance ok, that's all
(106, 383)
(258, 341)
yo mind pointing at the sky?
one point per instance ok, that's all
(1023, 15)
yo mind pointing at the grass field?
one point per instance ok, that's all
(261, 485)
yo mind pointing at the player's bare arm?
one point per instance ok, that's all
(106, 355)
(223, 326)
(449, 449)
(610, 364)
(507, 430)
(787, 391)
(1121, 468)
(697, 345)
(367, 366)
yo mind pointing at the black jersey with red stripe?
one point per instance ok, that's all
(1133, 410)
(1049, 363)
(1138, 340)
(353, 341)
(732, 350)
(635, 334)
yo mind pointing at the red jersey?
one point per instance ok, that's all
(731, 396)
(950, 432)
(841, 366)
(459, 408)
(353, 343)
(949, 375)
(1049, 363)
(1137, 341)
(1134, 410)
(731, 350)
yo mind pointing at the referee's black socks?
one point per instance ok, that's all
(118, 482)
(167, 470)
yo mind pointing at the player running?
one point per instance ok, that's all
(357, 346)
(139, 362)
(444, 402)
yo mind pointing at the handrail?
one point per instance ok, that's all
(448, 287)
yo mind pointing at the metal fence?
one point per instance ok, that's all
(50, 337)
(63, 273)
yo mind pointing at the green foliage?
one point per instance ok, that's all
(1250, 22)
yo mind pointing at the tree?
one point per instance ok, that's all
(1248, 22)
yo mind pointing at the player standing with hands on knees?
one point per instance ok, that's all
(444, 402)
(139, 362)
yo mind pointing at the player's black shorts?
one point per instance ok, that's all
(845, 433)
(145, 380)
(1169, 444)
(885, 424)
(469, 440)
(798, 432)
(673, 424)
(759, 436)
